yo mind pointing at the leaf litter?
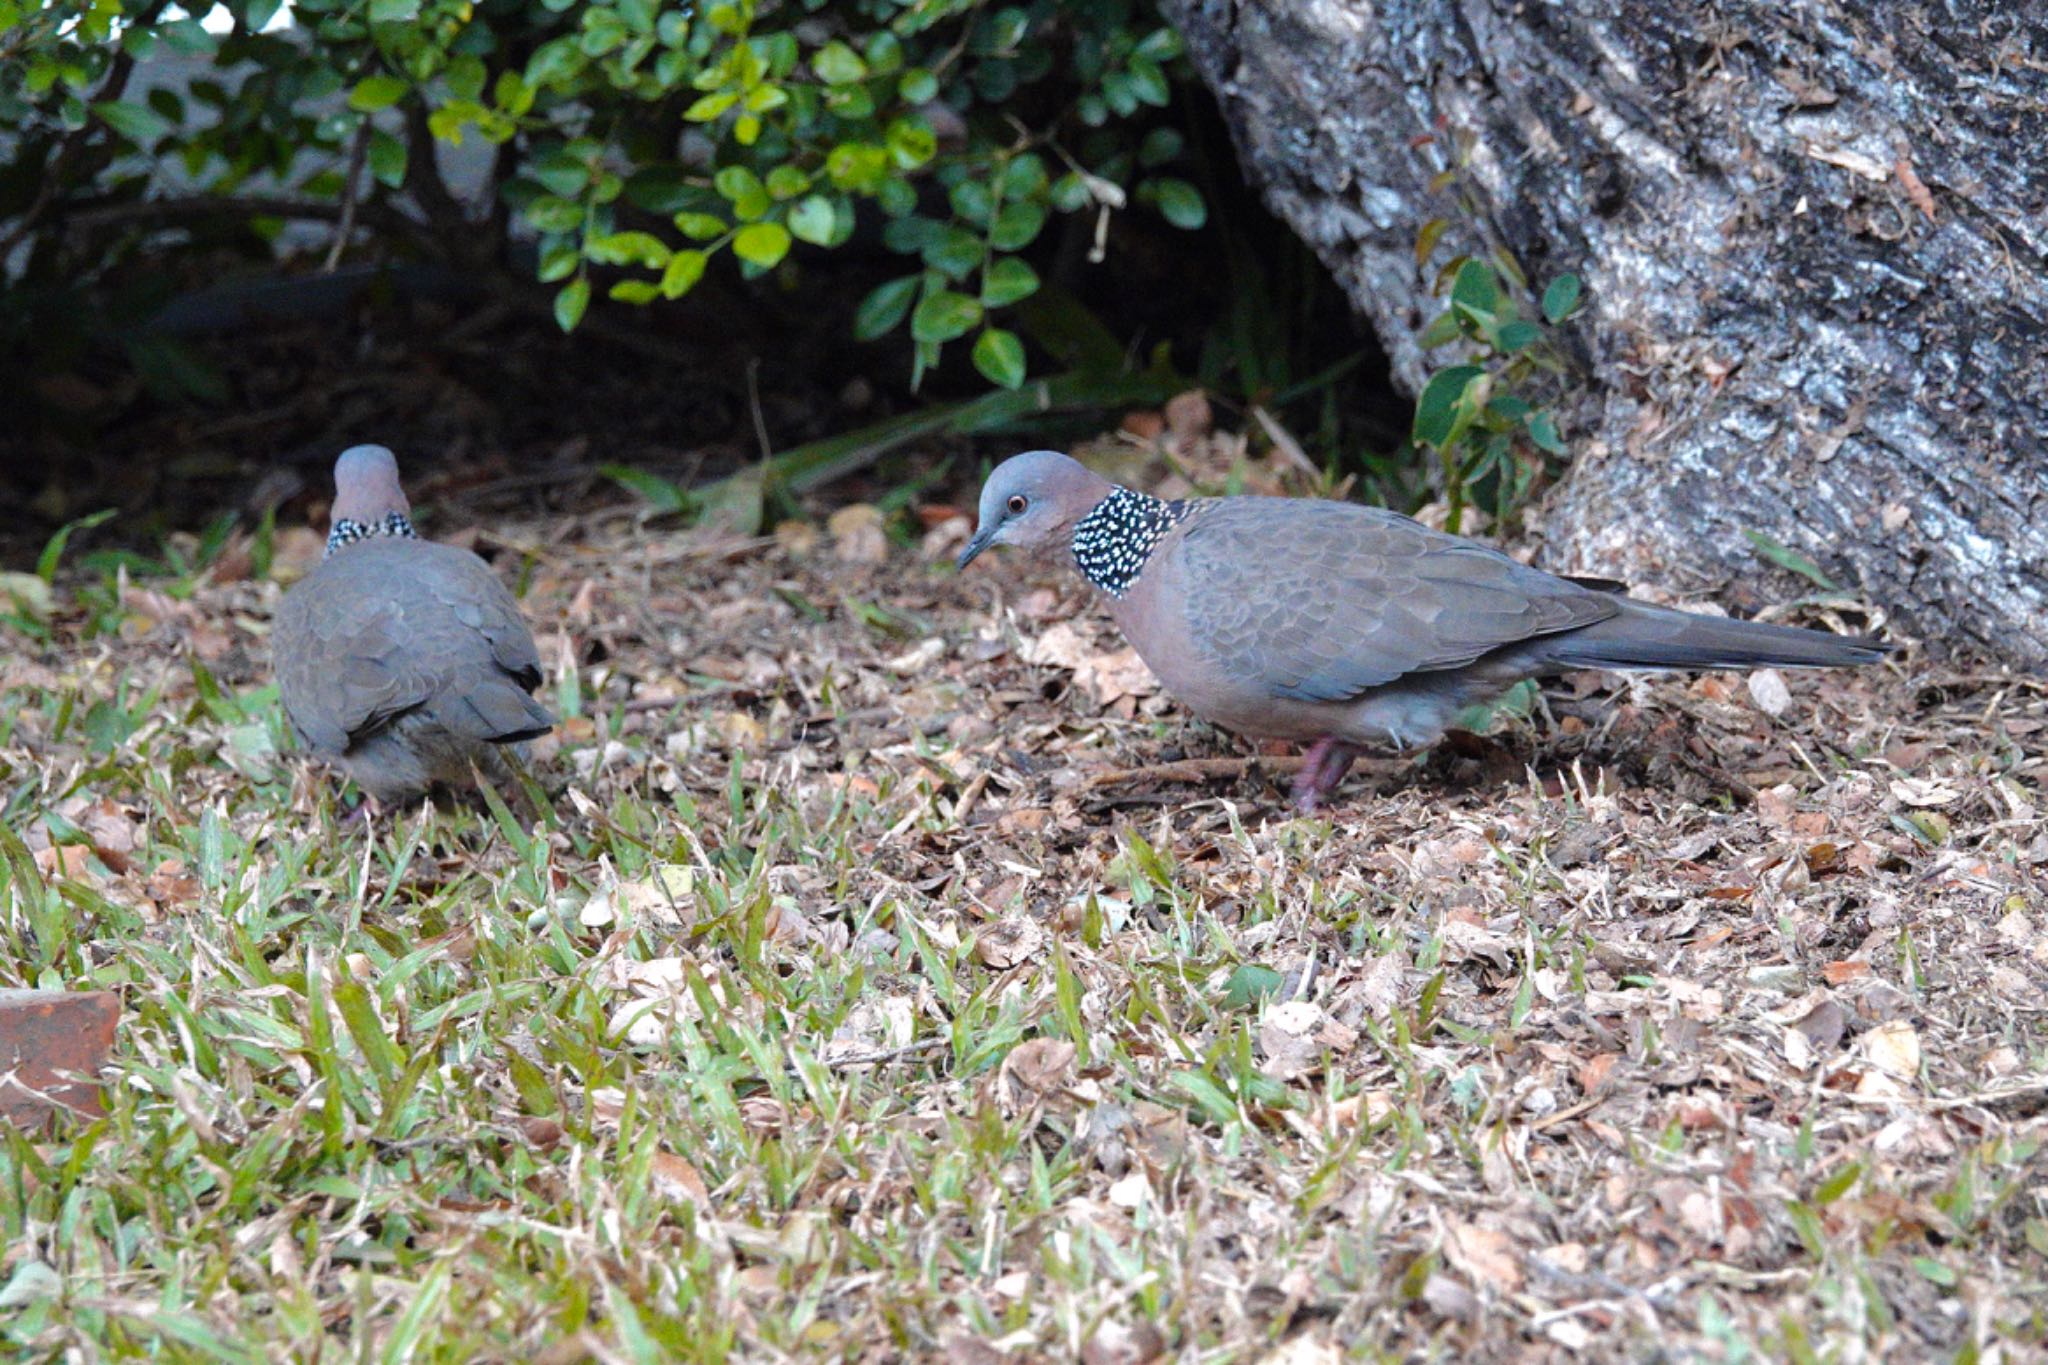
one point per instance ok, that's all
(835, 1013)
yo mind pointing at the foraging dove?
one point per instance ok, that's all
(1343, 625)
(402, 661)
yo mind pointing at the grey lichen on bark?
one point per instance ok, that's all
(1815, 241)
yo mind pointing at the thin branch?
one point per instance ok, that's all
(350, 187)
(200, 206)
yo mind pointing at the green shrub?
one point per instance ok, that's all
(645, 144)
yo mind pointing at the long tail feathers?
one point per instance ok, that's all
(497, 712)
(1646, 636)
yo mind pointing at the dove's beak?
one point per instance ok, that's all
(982, 540)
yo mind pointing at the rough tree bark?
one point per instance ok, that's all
(1815, 236)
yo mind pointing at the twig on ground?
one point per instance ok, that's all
(889, 1054)
(1193, 770)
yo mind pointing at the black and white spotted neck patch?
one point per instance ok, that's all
(1112, 543)
(346, 532)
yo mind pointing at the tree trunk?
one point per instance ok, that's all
(1814, 235)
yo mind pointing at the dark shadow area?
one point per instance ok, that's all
(205, 380)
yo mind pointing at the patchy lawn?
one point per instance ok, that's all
(899, 978)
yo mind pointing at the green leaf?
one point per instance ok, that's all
(658, 493)
(786, 182)
(394, 11)
(465, 76)
(387, 159)
(944, 315)
(53, 549)
(1437, 411)
(1017, 226)
(838, 64)
(917, 86)
(512, 94)
(1148, 84)
(1542, 429)
(628, 248)
(1000, 356)
(1443, 329)
(884, 307)
(858, 166)
(557, 62)
(1838, 1184)
(352, 998)
(1561, 299)
(1476, 290)
(552, 213)
(1025, 178)
(571, 303)
(744, 189)
(951, 251)
(563, 172)
(1178, 202)
(1160, 146)
(685, 268)
(972, 200)
(1787, 558)
(1935, 1271)
(636, 291)
(1249, 984)
(1007, 280)
(559, 261)
(709, 107)
(137, 122)
(1518, 335)
(1481, 717)
(1209, 1097)
(700, 227)
(814, 220)
(911, 142)
(762, 244)
(852, 103)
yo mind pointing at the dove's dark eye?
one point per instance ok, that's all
(1018, 503)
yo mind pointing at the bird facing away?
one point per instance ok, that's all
(401, 661)
(1341, 625)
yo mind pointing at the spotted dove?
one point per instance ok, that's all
(1343, 625)
(401, 661)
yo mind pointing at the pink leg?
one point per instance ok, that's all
(1322, 767)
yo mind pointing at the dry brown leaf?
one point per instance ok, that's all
(740, 731)
(1893, 1047)
(172, 885)
(1116, 1343)
(1305, 1349)
(1009, 943)
(1288, 1039)
(1189, 417)
(675, 1178)
(1035, 1071)
(1487, 1256)
(1767, 689)
(857, 535)
(797, 539)
(1105, 675)
(1921, 793)
(72, 862)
